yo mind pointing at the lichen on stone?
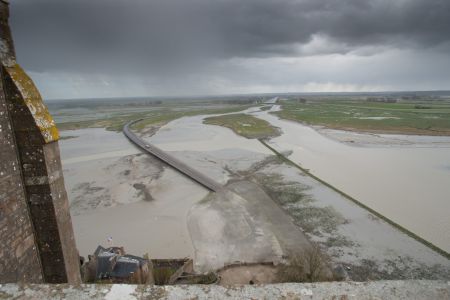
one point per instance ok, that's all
(33, 101)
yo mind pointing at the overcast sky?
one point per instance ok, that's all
(115, 48)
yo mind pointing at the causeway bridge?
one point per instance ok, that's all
(171, 160)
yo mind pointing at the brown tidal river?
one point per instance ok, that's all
(409, 185)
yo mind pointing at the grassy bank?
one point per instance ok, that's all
(427, 118)
(244, 125)
(116, 121)
(396, 225)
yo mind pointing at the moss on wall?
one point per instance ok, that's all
(33, 101)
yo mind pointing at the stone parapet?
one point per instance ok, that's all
(407, 290)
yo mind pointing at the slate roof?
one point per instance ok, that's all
(111, 263)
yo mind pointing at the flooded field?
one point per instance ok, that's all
(404, 178)
(266, 211)
(351, 235)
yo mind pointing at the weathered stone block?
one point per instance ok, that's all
(19, 258)
(35, 227)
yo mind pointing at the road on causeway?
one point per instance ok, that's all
(171, 160)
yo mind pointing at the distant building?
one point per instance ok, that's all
(113, 265)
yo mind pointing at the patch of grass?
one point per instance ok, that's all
(316, 220)
(68, 137)
(116, 121)
(401, 117)
(207, 198)
(208, 278)
(401, 268)
(162, 275)
(310, 265)
(245, 125)
(264, 108)
(163, 117)
(338, 241)
(291, 197)
(76, 125)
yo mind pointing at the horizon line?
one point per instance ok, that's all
(167, 97)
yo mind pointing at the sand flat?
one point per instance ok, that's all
(179, 221)
(105, 202)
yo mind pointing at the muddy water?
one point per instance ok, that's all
(159, 227)
(190, 134)
(92, 144)
(209, 149)
(410, 185)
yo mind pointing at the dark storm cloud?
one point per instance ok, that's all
(174, 34)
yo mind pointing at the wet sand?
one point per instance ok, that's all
(107, 198)
(157, 227)
(179, 221)
(360, 241)
(376, 140)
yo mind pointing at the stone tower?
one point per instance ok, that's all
(36, 234)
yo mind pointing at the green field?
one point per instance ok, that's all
(114, 121)
(424, 117)
(244, 125)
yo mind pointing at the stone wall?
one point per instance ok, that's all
(19, 258)
(407, 290)
(35, 226)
